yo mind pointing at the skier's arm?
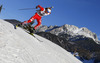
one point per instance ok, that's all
(48, 13)
(41, 8)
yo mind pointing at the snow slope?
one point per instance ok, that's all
(17, 46)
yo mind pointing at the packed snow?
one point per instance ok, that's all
(17, 46)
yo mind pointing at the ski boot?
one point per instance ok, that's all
(32, 31)
(17, 25)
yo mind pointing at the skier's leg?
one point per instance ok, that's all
(39, 23)
(30, 20)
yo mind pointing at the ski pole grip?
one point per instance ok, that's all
(52, 7)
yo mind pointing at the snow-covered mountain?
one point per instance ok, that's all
(71, 30)
(17, 46)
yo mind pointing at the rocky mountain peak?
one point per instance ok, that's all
(70, 30)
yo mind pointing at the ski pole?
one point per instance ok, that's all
(3, 8)
(27, 8)
(31, 8)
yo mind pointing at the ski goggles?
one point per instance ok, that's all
(48, 10)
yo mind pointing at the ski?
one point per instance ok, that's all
(36, 38)
(30, 31)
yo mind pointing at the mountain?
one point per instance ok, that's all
(72, 31)
(12, 21)
(17, 46)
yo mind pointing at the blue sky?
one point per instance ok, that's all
(81, 13)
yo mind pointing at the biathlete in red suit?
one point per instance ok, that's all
(38, 15)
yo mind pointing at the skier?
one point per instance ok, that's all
(38, 15)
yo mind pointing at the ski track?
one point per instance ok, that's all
(17, 46)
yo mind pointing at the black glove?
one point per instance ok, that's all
(36, 7)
